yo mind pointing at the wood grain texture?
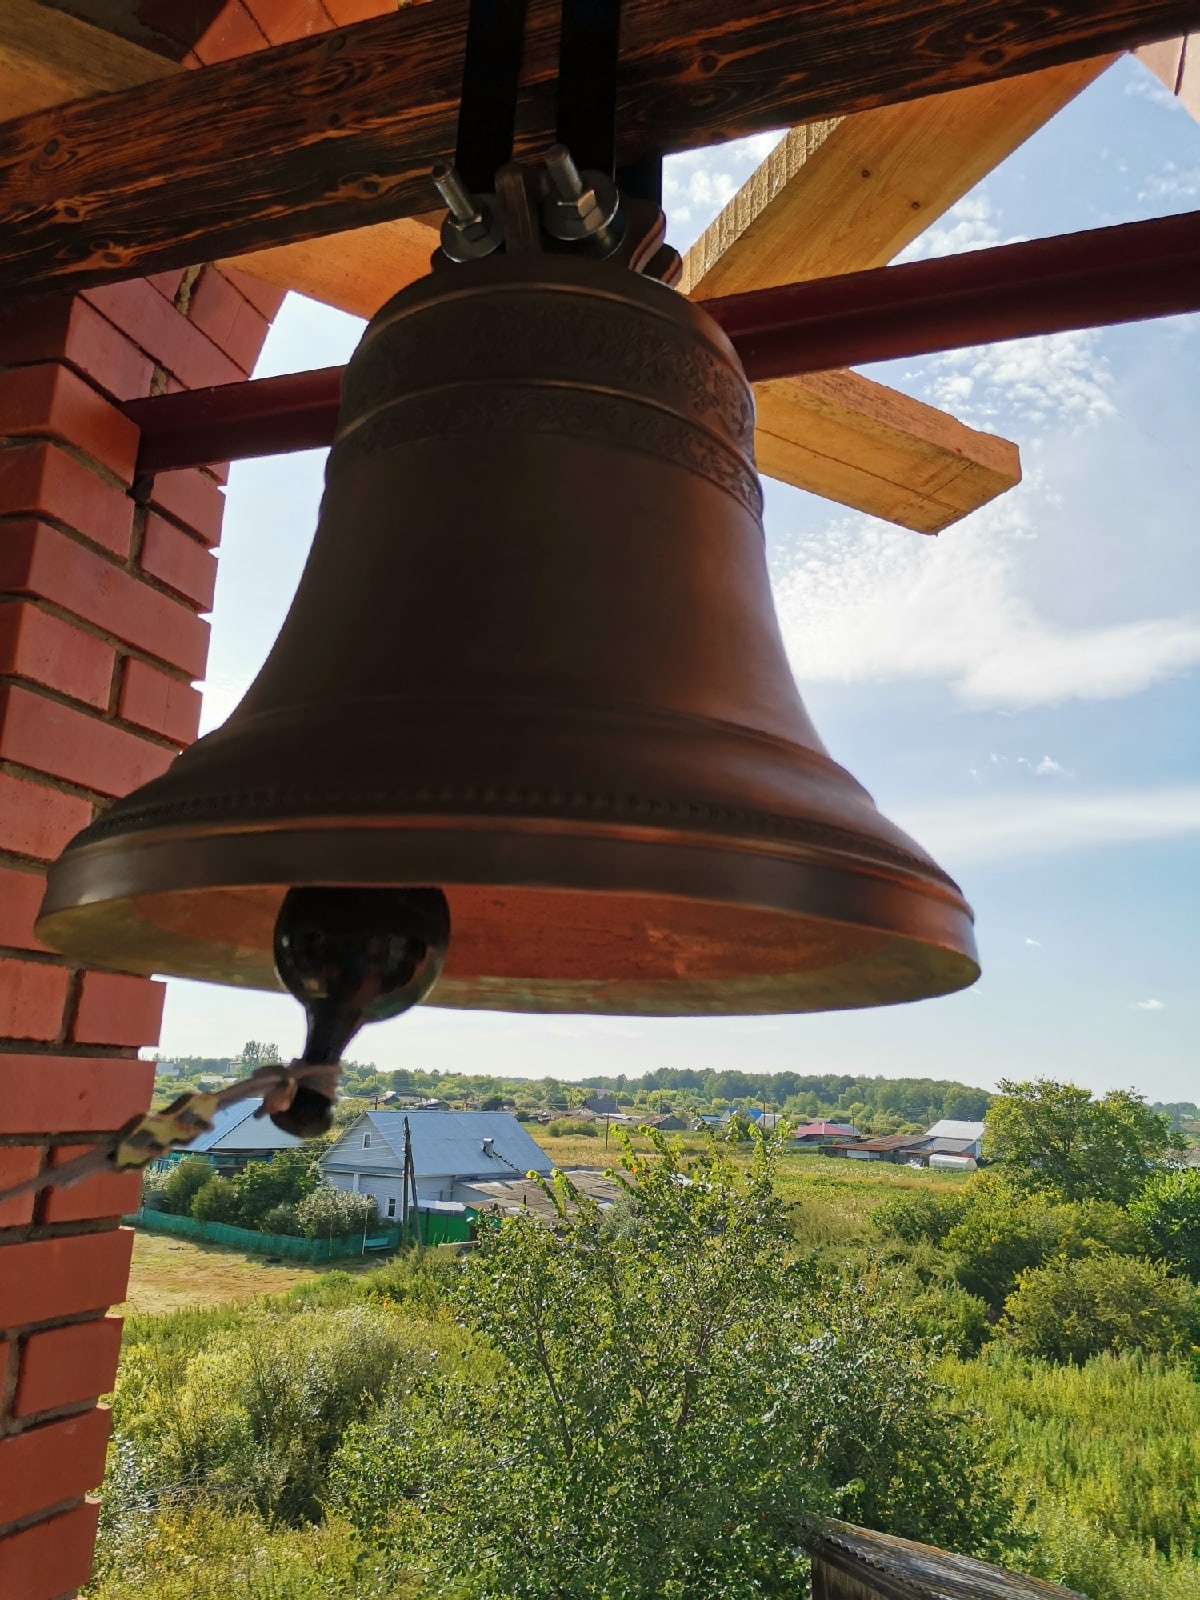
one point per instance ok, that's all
(839, 435)
(843, 196)
(341, 130)
(47, 57)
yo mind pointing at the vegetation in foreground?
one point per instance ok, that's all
(654, 1401)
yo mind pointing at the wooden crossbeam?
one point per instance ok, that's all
(868, 447)
(842, 196)
(341, 130)
(48, 58)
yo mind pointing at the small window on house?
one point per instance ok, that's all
(391, 1205)
(366, 1141)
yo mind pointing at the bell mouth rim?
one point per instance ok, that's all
(924, 925)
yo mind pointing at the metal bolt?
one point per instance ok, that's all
(460, 202)
(563, 173)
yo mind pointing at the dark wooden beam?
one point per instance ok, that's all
(341, 130)
(1076, 280)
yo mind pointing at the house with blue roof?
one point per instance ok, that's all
(449, 1150)
(236, 1137)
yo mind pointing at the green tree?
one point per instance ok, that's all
(1073, 1310)
(182, 1183)
(1168, 1208)
(257, 1053)
(1059, 1139)
(676, 1395)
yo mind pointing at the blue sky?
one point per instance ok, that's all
(1022, 693)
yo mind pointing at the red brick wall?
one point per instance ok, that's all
(103, 583)
(102, 586)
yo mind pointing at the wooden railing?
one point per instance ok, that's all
(850, 1563)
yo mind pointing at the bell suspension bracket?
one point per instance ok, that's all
(574, 200)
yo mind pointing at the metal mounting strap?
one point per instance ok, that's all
(490, 79)
(588, 52)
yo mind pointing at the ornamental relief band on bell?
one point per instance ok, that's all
(614, 421)
(647, 357)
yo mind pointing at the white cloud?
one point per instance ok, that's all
(697, 184)
(1147, 1005)
(861, 601)
(972, 828)
(1172, 184)
(1057, 379)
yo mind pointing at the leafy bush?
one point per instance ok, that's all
(329, 1213)
(572, 1128)
(182, 1183)
(1071, 1310)
(915, 1216)
(218, 1200)
(1168, 1208)
(1003, 1232)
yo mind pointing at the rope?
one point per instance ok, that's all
(146, 1138)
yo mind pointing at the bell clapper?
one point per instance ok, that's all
(350, 956)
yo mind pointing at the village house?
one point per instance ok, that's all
(236, 1138)
(449, 1149)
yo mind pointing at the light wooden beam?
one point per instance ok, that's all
(841, 436)
(341, 129)
(842, 196)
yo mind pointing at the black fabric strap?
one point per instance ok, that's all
(491, 75)
(587, 81)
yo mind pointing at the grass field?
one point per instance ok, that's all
(168, 1274)
(831, 1198)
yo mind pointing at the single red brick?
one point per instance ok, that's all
(49, 651)
(108, 1194)
(116, 1009)
(190, 497)
(41, 480)
(20, 901)
(65, 1365)
(345, 12)
(52, 401)
(42, 562)
(285, 20)
(71, 1094)
(51, 1558)
(163, 333)
(167, 283)
(18, 1162)
(228, 318)
(263, 296)
(159, 703)
(37, 821)
(53, 738)
(32, 996)
(234, 33)
(180, 561)
(54, 1462)
(67, 329)
(44, 1280)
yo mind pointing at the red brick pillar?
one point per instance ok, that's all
(102, 582)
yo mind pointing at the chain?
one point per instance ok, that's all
(146, 1138)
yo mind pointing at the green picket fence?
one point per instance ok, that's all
(435, 1228)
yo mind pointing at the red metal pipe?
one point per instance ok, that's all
(1077, 280)
(1080, 280)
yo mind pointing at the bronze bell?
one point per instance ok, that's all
(534, 660)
